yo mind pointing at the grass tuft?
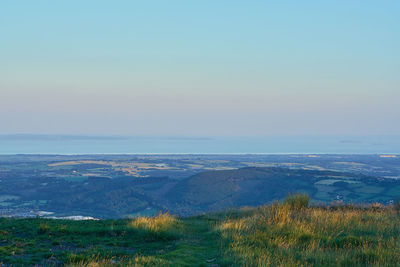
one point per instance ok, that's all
(162, 222)
(162, 226)
(297, 201)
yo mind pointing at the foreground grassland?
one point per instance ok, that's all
(291, 235)
(283, 234)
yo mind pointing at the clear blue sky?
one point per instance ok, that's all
(200, 67)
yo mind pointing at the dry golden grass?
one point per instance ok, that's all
(280, 235)
(162, 222)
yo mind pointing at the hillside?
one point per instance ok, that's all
(283, 234)
(59, 190)
(218, 190)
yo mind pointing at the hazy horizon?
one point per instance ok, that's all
(84, 144)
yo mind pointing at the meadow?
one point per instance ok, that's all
(293, 234)
(287, 233)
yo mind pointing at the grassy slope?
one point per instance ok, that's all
(278, 235)
(164, 240)
(283, 234)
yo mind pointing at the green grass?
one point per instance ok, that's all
(289, 233)
(163, 240)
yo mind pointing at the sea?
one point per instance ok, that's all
(78, 144)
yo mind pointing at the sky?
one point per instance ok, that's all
(200, 68)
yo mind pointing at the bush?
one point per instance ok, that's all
(297, 201)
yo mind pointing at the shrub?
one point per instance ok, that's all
(297, 201)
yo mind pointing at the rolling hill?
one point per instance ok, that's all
(217, 190)
(121, 196)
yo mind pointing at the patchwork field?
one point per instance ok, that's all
(123, 186)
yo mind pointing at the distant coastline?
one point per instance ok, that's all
(12, 144)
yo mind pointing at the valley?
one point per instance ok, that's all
(127, 186)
